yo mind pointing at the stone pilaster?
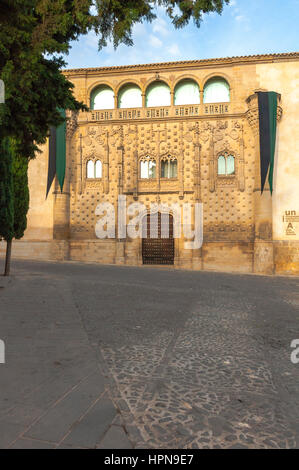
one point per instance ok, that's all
(263, 261)
(241, 164)
(211, 166)
(106, 165)
(61, 212)
(181, 162)
(197, 175)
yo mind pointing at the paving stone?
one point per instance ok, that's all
(210, 357)
(31, 444)
(115, 438)
(91, 428)
(9, 433)
(59, 419)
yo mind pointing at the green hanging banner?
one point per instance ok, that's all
(61, 150)
(272, 97)
(57, 153)
(268, 124)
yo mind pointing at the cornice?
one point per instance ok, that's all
(226, 61)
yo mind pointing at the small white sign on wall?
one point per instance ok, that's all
(291, 219)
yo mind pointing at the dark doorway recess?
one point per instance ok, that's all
(158, 250)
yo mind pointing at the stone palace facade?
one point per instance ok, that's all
(175, 133)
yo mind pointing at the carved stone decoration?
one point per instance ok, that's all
(204, 137)
(136, 171)
(241, 165)
(106, 164)
(94, 156)
(71, 123)
(79, 178)
(116, 136)
(234, 134)
(211, 166)
(93, 185)
(197, 173)
(188, 137)
(87, 141)
(227, 181)
(181, 167)
(221, 125)
(120, 165)
(253, 112)
(100, 140)
(205, 131)
(218, 135)
(92, 130)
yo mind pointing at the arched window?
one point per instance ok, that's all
(186, 92)
(169, 167)
(94, 170)
(216, 90)
(90, 169)
(158, 94)
(130, 96)
(98, 168)
(226, 164)
(221, 165)
(102, 97)
(147, 167)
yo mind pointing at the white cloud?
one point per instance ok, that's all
(174, 50)
(155, 41)
(91, 40)
(139, 29)
(240, 18)
(160, 27)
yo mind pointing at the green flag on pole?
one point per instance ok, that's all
(267, 123)
(57, 153)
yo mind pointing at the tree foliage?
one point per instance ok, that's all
(14, 191)
(14, 195)
(20, 194)
(115, 18)
(6, 191)
(33, 32)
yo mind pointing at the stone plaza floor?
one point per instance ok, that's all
(126, 357)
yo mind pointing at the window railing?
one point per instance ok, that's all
(156, 112)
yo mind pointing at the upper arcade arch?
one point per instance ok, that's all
(102, 97)
(158, 93)
(186, 92)
(216, 90)
(129, 96)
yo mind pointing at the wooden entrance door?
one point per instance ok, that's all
(158, 250)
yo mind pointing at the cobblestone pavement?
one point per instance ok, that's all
(124, 357)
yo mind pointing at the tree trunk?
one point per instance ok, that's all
(8, 257)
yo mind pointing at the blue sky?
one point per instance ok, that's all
(245, 27)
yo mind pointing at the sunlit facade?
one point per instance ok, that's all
(174, 134)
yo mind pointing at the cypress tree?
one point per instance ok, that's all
(20, 194)
(6, 199)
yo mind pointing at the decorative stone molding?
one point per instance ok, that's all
(241, 165)
(211, 166)
(71, 123)
(238, 60)
(197, 173)
(253, 112)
